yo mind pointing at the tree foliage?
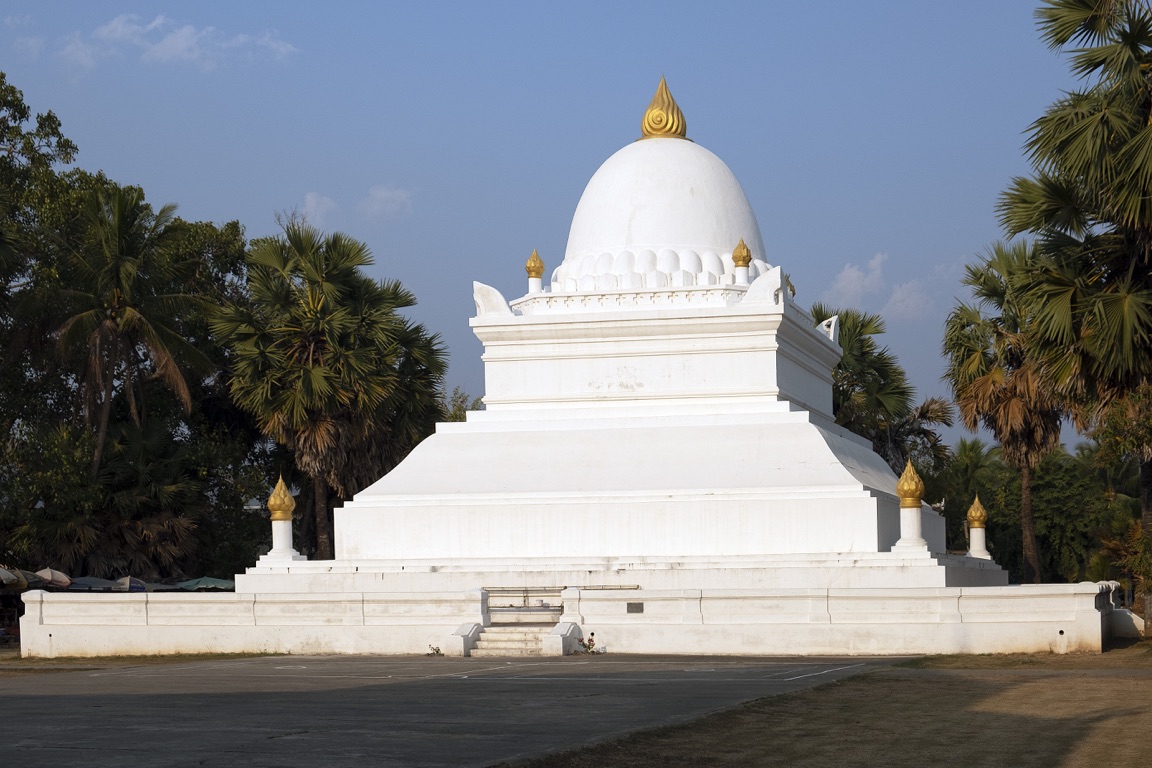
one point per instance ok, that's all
(326, 364)
(995, 379)
(872, 397)
(1088, 208)
(119, 312)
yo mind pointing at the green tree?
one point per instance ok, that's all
(1073, 515)
(995, 380)
(325, 363)
(871, 395)
(29, 148)
(1088, 207)
(970, 470)
(120, 319)
(457, 404)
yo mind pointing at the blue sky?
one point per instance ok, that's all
(872, 139)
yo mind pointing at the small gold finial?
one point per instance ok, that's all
(910, 488)
(535, 265)
(281, 503)
(741, 256)
(977, 515)
(663, 119)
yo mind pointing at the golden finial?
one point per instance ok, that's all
(910, 488)
(977, 516)
(281, 503)
(741, 256)
(663, 119)
(535, 265)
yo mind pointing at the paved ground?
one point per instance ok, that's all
(371, 711)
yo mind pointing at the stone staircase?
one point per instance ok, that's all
(512, 640)
(521, 618)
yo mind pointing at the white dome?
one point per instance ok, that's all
(659, 212)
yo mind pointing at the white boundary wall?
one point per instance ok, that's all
(1054, 618)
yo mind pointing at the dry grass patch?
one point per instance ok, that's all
(1129, 655)
(1055, 711)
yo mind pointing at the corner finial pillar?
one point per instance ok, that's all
(977, 532)
(535, 270)
(910, 490)
(280, 507)
(741, 260)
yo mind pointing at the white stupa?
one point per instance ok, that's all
(657, 463)
(658, 414)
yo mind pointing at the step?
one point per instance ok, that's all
(504, 653)
(538, 615)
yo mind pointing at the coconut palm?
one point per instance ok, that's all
(996, 382)
(327, 366)
(119, 315)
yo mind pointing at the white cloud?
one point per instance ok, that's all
(907, 301)
(853, 284)
(29, 46)
(164, 41)
(317, 207)
(384, 202)
(269, 41)
(183, 44)
(22, 20)
(83, 54)
(126, 28)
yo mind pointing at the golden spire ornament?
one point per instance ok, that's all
(535, 265)
(910, 488)
(281, 503)
(663, 118)
(977, 515)
(741, 256)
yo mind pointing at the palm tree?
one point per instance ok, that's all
(971, 463)
(1088, 206)
(996, 382)
(871, 395)
(327, 366)
(119, 316)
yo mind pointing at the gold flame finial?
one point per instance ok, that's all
(535, 265)
(281, 503)
(741, 256)
(663, 118)
(977, 515)
(910, 488)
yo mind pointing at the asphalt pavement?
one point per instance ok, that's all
(337, 711)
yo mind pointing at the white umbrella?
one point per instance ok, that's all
(54, 578)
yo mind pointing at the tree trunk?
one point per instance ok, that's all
(102, 431)
(1028, 529)
(323, 525)
(1146, 522)
(1146, 495)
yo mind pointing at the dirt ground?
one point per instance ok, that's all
(1071, 711)
(1076, 710)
